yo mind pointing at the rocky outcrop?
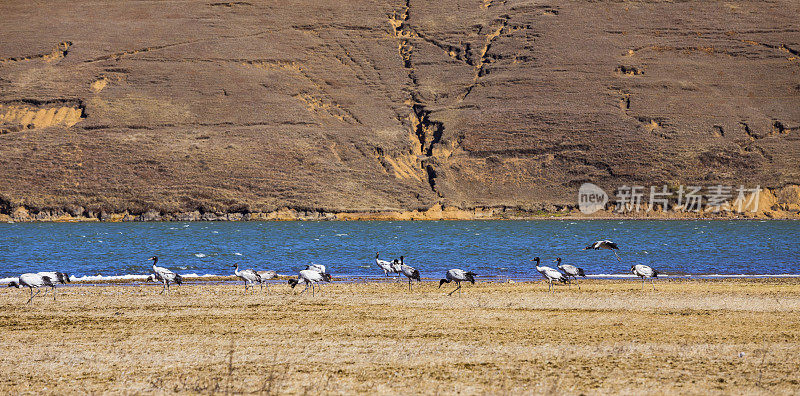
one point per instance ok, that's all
(208, 111)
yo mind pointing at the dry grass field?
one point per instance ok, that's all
(689, 337)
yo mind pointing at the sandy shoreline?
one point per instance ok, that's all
(140, 280)
(690, 336)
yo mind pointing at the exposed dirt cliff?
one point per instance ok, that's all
(476, 106)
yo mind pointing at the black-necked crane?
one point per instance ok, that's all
(264, 276)
(386, 266)
(317, 267)
(310, 278)
(55, 278)
(571, 270)
(457, 275)
(397, 268)
(605, 244)
(248, 276)
(32, 281)
(165, 276)
(644, 272)
(410, 272)
(550, 274)
(321, 269)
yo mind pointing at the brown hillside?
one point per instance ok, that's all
(374, 105)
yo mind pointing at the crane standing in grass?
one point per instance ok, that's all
(264, 276)
(550, 274)
(397, 268)
(310, 278)
(457, 275)
(55, 278)
(644, 272)
(248, 276)
(571, 270)
(605, 244)
(165, 276)
(409, 271)
(32, 281)
(386, 266)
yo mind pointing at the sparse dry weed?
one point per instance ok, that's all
(697, 336)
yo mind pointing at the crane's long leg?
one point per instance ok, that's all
(615, 253)
(652, 282)
(163, 288)
(33, 295)
(410, 288)
(304, 290)
(454, 290)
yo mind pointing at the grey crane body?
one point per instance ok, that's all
(386, 266)
(248, 276)
(264, 276)
(55, 278)
(410, 272)
(644, 272)
(550, 274)
(457, 275)
(317, 267)
(321, 269)
(397, 268)
(165, 276)
(570, 271)
(606, 245)
(310, 278)
(32, 281)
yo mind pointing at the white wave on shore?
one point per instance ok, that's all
(104, 278)
(136, 277)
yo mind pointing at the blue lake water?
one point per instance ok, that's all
(489, 248)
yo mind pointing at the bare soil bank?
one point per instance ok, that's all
(387, 109)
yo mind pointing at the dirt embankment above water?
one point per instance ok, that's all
(409, 109)
(772, 204)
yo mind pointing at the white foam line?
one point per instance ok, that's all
(133, 277)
